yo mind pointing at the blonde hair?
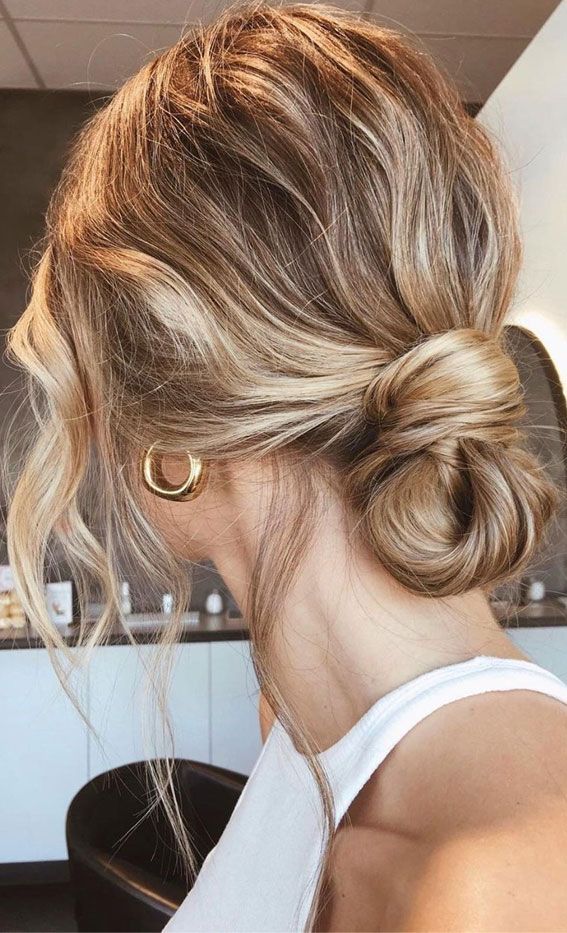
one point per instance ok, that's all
(283, 238)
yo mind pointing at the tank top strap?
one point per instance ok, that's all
(261, 875)
(351, 761)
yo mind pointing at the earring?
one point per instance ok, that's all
(155, 481)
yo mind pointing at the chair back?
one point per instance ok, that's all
(124, 864)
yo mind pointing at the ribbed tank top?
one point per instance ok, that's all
(261, 875)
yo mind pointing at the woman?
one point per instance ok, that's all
(268, 325)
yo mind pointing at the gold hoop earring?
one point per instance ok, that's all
(155, 481)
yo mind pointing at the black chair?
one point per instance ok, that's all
(124, 868)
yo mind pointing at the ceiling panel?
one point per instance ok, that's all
(128, 11)
(476, 17)
(121, 11)
(477, 64)
(81, 56)
(14, 70)
(97, 44)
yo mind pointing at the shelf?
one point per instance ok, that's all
(199, 626)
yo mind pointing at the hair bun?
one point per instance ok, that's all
(450, 500)
(456, 384)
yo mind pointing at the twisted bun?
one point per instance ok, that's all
(450, 501)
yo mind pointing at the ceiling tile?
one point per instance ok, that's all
(113, 11)
(14, 70)
(354, 5)
(476, 64)
(481, 17)
(129, 11)
(81, 56)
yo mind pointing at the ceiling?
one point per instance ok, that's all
(88, 45)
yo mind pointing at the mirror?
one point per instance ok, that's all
(545, 424)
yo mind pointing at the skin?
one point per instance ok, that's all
(464, 825)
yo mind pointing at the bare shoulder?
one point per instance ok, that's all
(500, 880)
(463, 826)
(477, 760)
(504, 878)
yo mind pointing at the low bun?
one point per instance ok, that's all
(449, 498)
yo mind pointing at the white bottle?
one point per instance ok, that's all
(213, 603)
(167, 604)
(535, 591)
(125, 600)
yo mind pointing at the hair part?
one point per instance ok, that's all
(283, 238)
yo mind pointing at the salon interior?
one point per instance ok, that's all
(69, 791)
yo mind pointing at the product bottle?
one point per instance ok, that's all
(213, 603)
(532, 590)
(125, 600)
(536, 590)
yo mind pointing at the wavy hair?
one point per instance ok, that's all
(284, 239)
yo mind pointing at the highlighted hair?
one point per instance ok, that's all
(283, 238)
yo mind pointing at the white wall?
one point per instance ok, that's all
(528, 114)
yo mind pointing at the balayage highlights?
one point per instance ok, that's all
(284, 238)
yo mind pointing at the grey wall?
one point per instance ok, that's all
(35, 129)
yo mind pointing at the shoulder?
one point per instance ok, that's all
(482, 759)
(505, 877)
(464, 825)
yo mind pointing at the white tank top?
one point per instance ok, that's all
(261, 875)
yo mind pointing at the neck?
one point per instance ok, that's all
(349, 633)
